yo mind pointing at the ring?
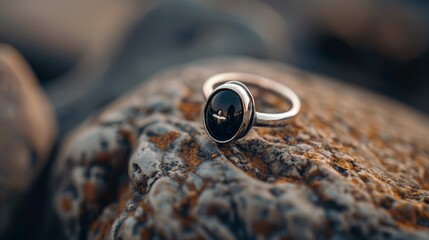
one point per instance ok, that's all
(230, 113)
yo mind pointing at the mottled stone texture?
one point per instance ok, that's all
(27, 131)
(352, 165)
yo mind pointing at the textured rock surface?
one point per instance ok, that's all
(352, 165)
(27, 130)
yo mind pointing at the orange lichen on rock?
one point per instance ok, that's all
(258, 166)
(145, 233)
(164, 141)
(190, 109)
(189, 153)
(66, 204)
(90, 193)
(188, 106)
(287, 180)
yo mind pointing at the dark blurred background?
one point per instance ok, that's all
(86, 53)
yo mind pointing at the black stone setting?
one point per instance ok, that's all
(223, 114)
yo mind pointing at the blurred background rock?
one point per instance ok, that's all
(85, 53)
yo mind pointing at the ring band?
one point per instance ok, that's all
(230, 112)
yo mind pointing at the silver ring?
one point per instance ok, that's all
(230, 113)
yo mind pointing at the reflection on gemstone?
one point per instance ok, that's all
(223, 114)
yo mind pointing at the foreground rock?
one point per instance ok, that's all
(27, 131)
(353, 165)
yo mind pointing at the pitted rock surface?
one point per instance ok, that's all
(352, 165)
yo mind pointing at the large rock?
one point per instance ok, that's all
(352, 165)
(27, 131)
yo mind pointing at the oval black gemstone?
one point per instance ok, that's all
(223, 114)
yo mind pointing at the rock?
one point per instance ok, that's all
(27, 130)
(352, 165)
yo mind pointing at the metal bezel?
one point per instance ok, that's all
(248, 105)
